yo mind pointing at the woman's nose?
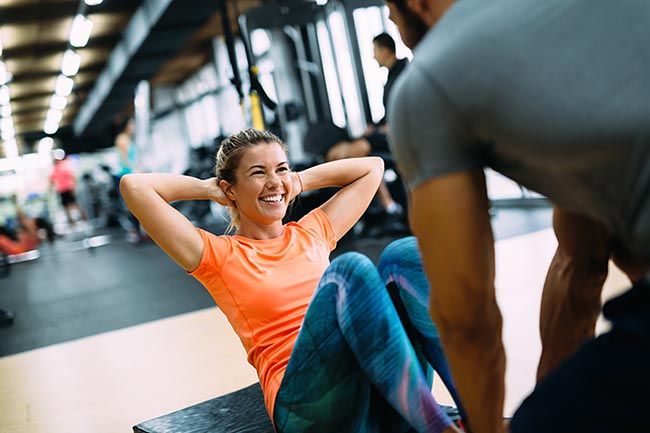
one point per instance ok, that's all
(273, 181)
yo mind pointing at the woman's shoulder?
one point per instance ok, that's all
(215, 248)
(219, 243)
(317, 224)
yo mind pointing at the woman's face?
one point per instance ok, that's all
(263, 183)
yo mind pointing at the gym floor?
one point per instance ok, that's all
(71, 292)
(107, 338)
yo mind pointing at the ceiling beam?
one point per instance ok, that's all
(38, 76)
(157, 23)
(41, 109)
(48, 11)
(49, 48)
(26, 97)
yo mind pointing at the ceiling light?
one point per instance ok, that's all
(93, 2)
(9, 134)
(45, 145)
(58, 154)
(5, 110)
(4, 95)
(80, 32)
(58, 102)
(70, 63)
(50, 126)
(11, 148)
(63, 85)
(54, 115)
(6, 124)
(4, 75)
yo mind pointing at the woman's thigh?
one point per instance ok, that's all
(324, 388)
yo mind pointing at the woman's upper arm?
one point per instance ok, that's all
(168, 228)
(351, 201)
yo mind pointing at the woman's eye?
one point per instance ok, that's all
(283, 169)
(257, 172)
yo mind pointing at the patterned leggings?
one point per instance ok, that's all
(362, 357)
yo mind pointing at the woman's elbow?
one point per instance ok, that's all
(378, 163)
(377, 167)
(128, 184)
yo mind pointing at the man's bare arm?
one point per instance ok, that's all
(450, 217)
(573, 286)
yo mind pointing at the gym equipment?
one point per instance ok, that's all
(242, 411)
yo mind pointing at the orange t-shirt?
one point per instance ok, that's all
(264, 288)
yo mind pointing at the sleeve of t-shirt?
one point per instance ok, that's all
(214, 249)
(318, 224)
(427, 136)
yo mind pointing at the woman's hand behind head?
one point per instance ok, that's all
(217, 194)
(296, 186)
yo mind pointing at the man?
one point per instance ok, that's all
(385, 55)
(554, 95)
(374, 140)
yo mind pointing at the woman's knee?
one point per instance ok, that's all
(352, 265)
(400, 251)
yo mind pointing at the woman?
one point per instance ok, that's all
(330, 350)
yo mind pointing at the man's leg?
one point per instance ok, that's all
(573, 286)
(603, 387)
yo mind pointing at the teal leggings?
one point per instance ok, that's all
(363, 354)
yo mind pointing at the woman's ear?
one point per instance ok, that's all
(226, 187)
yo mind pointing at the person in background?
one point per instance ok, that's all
(127, 152)
(26, 235)
(553, 95)
(385, 54)
(374, 140)
(64, 182)
(128, 163)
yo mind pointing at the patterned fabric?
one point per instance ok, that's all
(357, 366)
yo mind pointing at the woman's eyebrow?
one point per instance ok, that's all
(259, 166)
(255, 166)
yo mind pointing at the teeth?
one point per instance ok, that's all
(274, 198)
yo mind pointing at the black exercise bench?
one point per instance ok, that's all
(242, 411)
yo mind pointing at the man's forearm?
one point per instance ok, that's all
(477, 360)
(570, 306)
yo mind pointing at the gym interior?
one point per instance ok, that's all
(102, 332)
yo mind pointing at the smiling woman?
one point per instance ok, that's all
(258, 159)
(324, 338)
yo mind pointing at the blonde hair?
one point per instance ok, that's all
(230, 154)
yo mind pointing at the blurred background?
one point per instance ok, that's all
(91, 90)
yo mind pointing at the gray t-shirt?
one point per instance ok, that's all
(554, 94)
